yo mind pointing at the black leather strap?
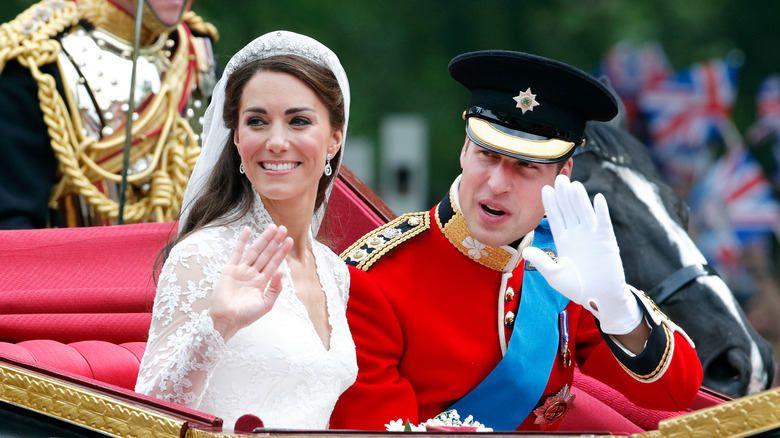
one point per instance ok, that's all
(665, 289)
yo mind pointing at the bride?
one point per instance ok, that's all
(259, 328)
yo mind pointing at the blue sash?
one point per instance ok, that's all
(511, 391)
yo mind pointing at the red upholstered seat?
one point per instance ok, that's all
(79, 299)
(116, 364)
(76, 284)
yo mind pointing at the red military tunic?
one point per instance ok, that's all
(428, 317)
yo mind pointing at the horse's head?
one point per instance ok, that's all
(650, 223)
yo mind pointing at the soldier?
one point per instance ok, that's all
(65, 80)
(486, 303)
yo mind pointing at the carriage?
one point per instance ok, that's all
(75, 311)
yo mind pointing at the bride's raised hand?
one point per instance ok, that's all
(250, 281)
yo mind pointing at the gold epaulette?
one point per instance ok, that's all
(29, 36)
(371, 247)
(196, 23)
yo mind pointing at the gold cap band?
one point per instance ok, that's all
(503, 141)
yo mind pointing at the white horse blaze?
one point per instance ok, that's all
(647, 192)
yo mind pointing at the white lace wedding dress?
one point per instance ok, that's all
(277, 368)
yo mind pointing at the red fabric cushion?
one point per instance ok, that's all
(592, 415)
(47, 352)
(109, 362)
(99, 360)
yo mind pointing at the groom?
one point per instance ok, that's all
(487, 302)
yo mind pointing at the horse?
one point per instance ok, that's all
(659, 257)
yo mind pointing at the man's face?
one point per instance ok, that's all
(168, 12)
(501, 197)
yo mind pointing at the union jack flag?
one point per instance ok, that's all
(691, 107)
(766, 130)
(631, 69)
(768, 109)
(736, 192)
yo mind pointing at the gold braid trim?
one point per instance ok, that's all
(173, 153)
(160, 130)
(196, 23)
(195, 433)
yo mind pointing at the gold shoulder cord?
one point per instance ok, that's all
(84, 160)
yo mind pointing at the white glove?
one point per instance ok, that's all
(589, 271)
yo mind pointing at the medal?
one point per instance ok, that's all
(554, 408)
(563, 322)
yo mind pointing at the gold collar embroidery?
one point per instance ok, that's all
(453, 226)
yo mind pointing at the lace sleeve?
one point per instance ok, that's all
(183, 347)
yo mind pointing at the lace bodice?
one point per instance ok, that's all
(277, 368)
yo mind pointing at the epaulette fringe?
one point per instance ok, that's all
(29, 36)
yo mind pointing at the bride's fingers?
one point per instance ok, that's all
(275, 260)
(274, 257)
(262, 250)
(268, 237)
(238, 251)
(274, 288)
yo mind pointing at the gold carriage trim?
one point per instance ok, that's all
(83, 407)
(371, 247)
(742, 417)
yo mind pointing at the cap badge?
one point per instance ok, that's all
(526, 100)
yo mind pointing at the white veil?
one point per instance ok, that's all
(215, 134)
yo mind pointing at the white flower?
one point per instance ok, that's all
(395, 425)
(476, 249)
(452, 418)
(446, 418)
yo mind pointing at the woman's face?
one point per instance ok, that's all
(283, 137)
